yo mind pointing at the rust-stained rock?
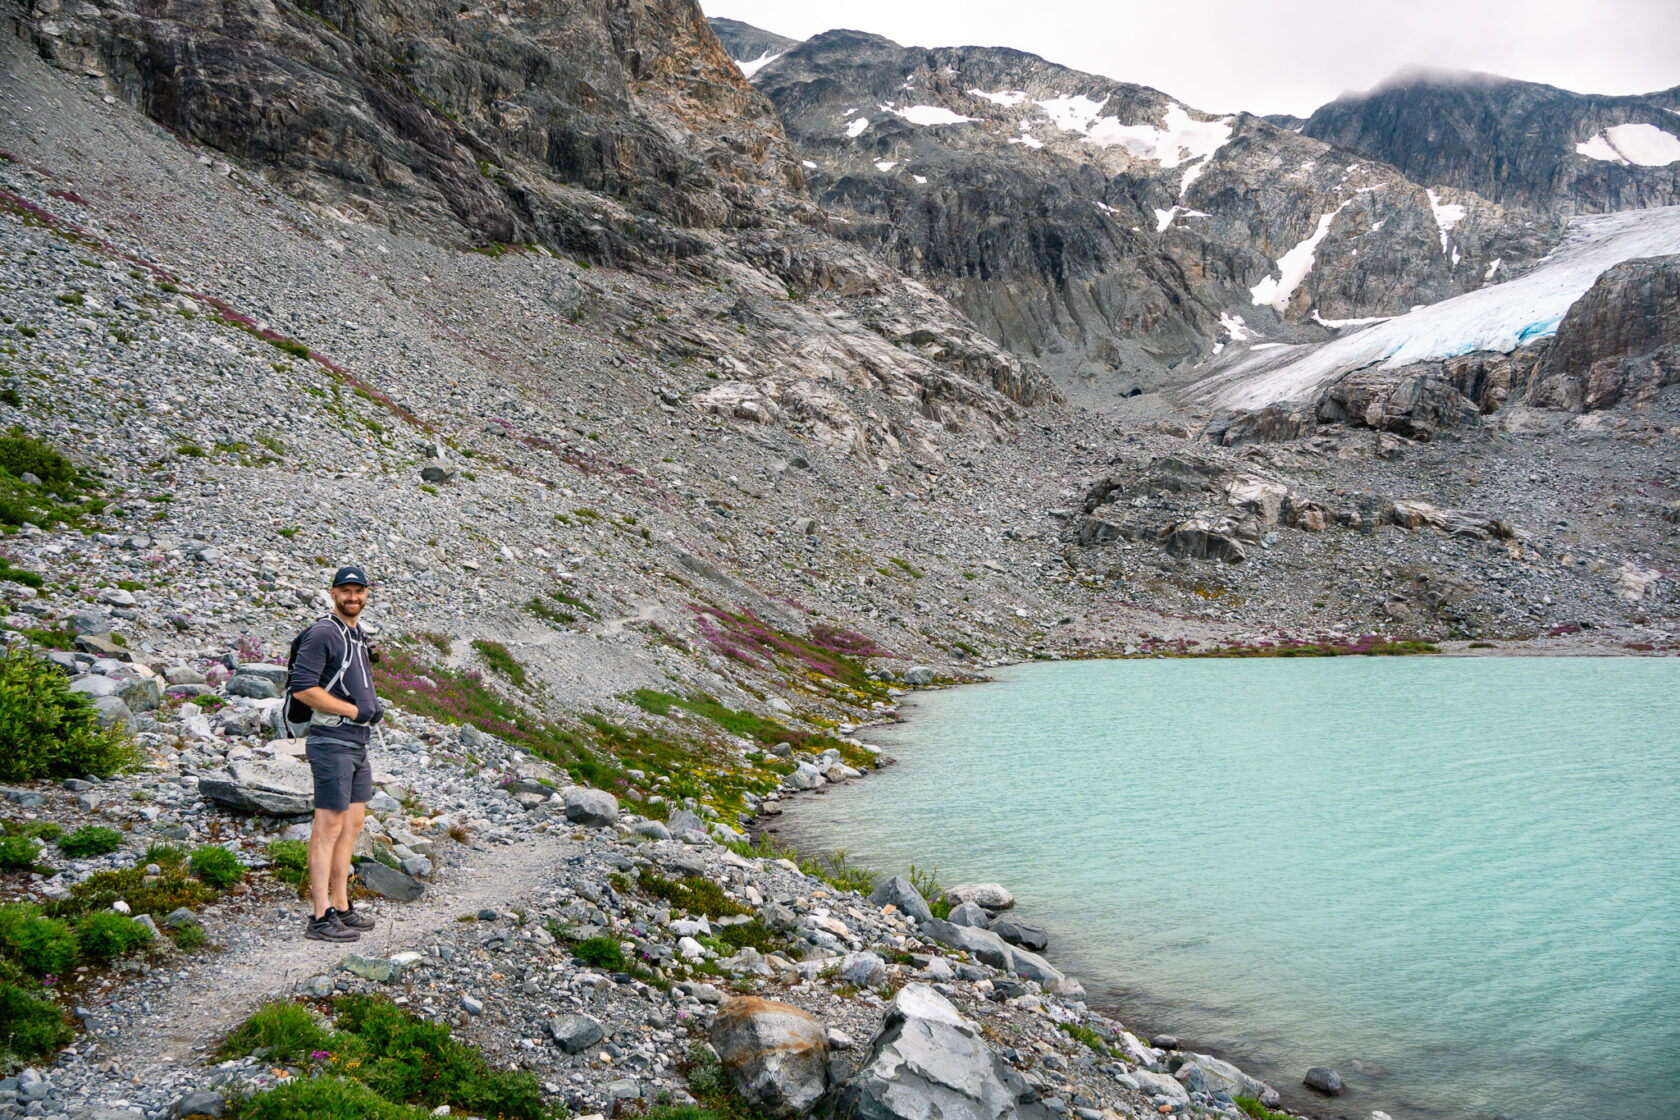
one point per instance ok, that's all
(777, 1053)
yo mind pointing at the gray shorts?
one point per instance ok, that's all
(343, 775)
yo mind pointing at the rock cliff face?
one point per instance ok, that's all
(1111, 233)
(1519, 143)
(619, 132)
(1619, 342)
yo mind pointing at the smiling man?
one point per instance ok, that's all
(332, 674)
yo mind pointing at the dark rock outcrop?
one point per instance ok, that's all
(1619, 342)
(1103, 229)
(1510, 141)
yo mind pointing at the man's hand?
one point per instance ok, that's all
(323, 701)
(370, 712)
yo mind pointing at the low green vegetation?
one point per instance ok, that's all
(216, 866)
(1258, 1111)
(713, 1088)
(32, 1027)
(18, 853)
(376, 1060)
(51, 732)
(46, 501)
(289, 861)
(693, 893)
(496, 656)
(156, 895)
(108, 934)
(1091, 1039)
(90, 840)
(601, 952)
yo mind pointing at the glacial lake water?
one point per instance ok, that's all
(1455, 881)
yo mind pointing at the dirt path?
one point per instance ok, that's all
(217, 990)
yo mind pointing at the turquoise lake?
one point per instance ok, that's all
(1456, 881)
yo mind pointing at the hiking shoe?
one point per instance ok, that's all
(328, 928)
(353, 919)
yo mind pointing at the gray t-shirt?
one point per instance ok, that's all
(319, 657)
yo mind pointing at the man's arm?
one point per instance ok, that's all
(323, 701)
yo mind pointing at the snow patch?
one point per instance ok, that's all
(1164, 218)
(1447, 215)
(1342, 324)
(1179, 140)
(855, 129)
(1234, 326)
(885, 164)
(1008, 98)
(1644, 144)
(919, 178)
(807, 163)
(1500, 317)
(1492, 268)
(748, 69)
(929, 115)
(1293, 267)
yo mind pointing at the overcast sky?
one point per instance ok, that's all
(1276, 56)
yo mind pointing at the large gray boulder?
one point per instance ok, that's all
(1018, 932)
(993, 896)
(1161, 1085)
(930, 1063)
(776, 1053)
(1221, 1074)
(988, 948)
(277, 788)
(898, 891)
(388, 882)
(575, 1033)
(595, 808)
(969, 914)
(252, 686)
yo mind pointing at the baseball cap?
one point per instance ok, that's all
(350, 573)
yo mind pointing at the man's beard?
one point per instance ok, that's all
(350, 609)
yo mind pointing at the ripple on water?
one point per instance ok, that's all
(1455, 880)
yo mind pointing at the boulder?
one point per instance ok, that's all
(1201, 539)
(274, 787)
(988, 948)
(1017, 932)
(776, 1053)
(200, 1102)
(378, 969)
(388, 882)
(928, 1062)
(863, 970)
(1221, 1074)
(806, 777)
(900, 892)
(111, 710)
(594, 808)
(1416, 515)
(990, 895)
(684, 820)
(919, 676)
(1323, 1080)
(575, 1033)
(142, 695)
(969, 914)
(1257, 496)
(1160, 1085)
(253, 687)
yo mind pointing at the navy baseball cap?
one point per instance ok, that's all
(350, 574)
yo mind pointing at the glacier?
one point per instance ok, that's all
(1500, 317)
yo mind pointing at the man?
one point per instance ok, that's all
(332, 675)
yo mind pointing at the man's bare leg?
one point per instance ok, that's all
(323, 857)
(343, 847)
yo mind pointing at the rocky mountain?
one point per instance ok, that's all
(1519, 143)
(752, 47)
(618, 135)
(1106, 230)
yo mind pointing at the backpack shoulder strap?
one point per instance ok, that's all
(344, 665)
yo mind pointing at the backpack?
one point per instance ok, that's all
(294, 716)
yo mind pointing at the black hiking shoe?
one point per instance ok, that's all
(353, 919)
(328, 928)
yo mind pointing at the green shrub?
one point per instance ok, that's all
(44, 830)
(285, 1032)
(217, 866)
(50, 731)
(21, 454)
(751, 934)
(39, 945)
(601, 952)
(290, 861)
(17, 853)
(189, 936)
(496, 656)
(31, 1028)
(1253, 1107)
(325, 1098)
(90, 840)
(166, 856)
(694, 894)
(144, 896)
(108, 935)
(408, 1059)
